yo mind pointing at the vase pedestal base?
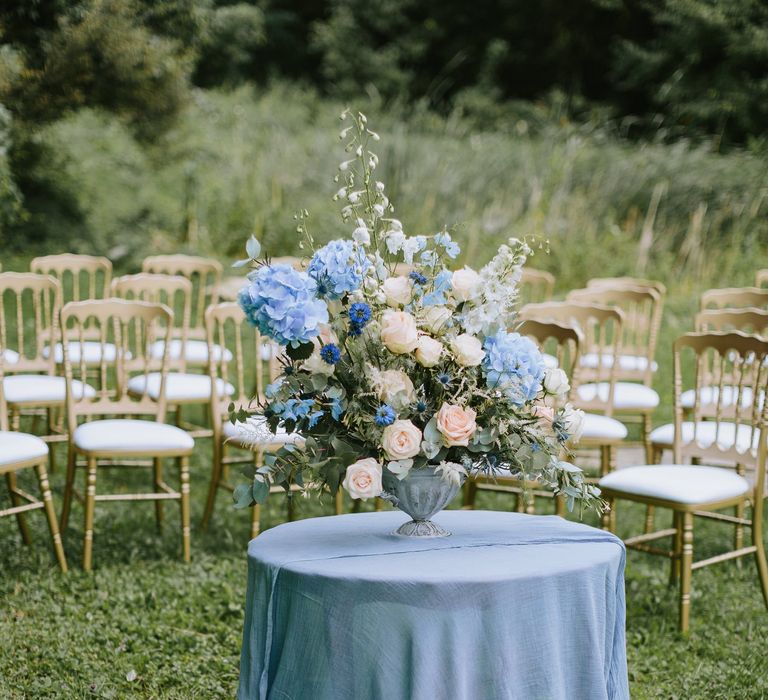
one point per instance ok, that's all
(421, 528)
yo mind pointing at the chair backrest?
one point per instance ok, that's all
(29, 318)
(752, 321)
(536, 285)
(559, 340)
(761, 277)
(642, 319)
(132, 327)
(174, 291)
(601, 328)
(735, 298)
(82, 277)
(622, 282)
(205, 275)
(251, 361)
(733, 355)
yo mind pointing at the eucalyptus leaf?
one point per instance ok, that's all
(241, 263)
(260, 490)
(253, 248)
(430, 449)
(431, 433)
(319, 382)
(242, 496)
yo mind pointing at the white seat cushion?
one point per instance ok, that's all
(709, 396)
(195, 352)
(706, 431)
(597, 427)
(256, 431)
(550, 361)
(126, 436)
(629, 363)
(627, 395)
(10, 357)
(20, 447)
(89, 350)
(178, 386)
(41, 388)
(677, 482)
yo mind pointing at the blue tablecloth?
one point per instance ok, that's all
(509, 606)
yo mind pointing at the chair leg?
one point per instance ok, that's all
(185, 530)
(50, 514)
(157, 467)
(560, 506)
(51, 451)
(650, 519)
(213, 486)
(530, 504)
(607, 459)
(16, 501)
(647, 438)
(255, 520)
(607, 520)
(686, 520)
(757, 540)
(289, 506)
(677, 548)
(338, 500)
(739, 511)
(68, 486)
(470, 492)
(90, 506)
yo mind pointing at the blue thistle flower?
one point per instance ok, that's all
(359, 313)
(385, 415)
(417, 277)
(421, 406)
(330, 353)
(355, 330)
(445, 379)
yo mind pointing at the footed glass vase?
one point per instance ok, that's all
(421, 494)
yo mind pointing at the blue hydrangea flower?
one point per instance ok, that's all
(330, 353)
(385, 415)
(417, 277)
(359, 313)
(282, 303)
(451, 248)
(338, 268)
(441, 286)
(514, 365)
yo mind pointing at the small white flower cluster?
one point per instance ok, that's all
(500, 278)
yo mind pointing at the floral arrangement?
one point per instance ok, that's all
(394, 361)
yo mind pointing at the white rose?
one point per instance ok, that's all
(467, 350)
(398, 332)
(573, 421)
(556, 382)
(363, 479)
(465, 284)
(435, 318)
(393, 387)
(397, 290)
(401, 440)
(428, 351)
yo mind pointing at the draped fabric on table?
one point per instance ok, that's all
(509, 606)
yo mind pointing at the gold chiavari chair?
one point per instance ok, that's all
(563, 342)
(601, 329)
(642, 319)
(690, 490)
(761, 278)
(634, 282)
(81, 277)
(227, 327)
(734, 298)
(23, 451)
(182, 388)
(113, 433)
(205, 275)
(536, 285)
(29, 308)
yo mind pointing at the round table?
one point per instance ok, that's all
(508, 606)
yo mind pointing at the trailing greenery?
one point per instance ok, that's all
(175, 629)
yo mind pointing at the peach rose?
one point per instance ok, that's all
(363, 479)
(397, 291)
(393, 387)
(544, 413)
(428, 351)
(401, 440)
(456, 424)
(398, 332)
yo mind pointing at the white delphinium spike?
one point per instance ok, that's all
(379, 210)
(379, 186)
(344, 165)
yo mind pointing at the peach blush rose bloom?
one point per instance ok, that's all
(544, 413)
(435, 318)
(393, 387)
(398, 332)
(465, 284)
(428, 351)
(397, 291)
(456, 424)
(363, 479)
(467, 350)
(401, 440)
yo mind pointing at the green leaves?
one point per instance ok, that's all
(242, 496)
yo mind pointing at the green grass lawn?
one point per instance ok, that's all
(144, 624)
